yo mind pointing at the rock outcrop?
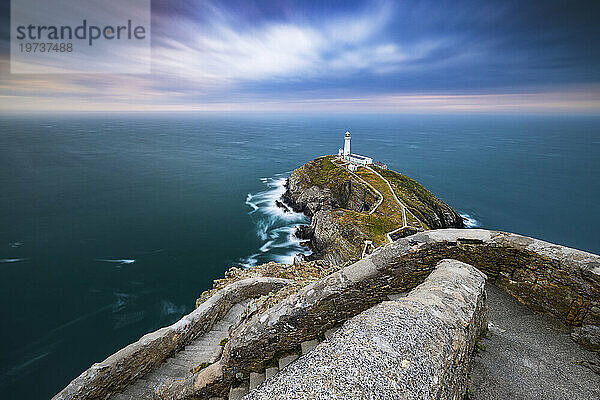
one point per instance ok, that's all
(339, 205)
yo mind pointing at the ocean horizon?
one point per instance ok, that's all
(112, 225)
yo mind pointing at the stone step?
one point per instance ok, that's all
(256, 379)
(238, 392)
(139, 392)
(309, 346)
(287, 360)
(269, 372)
(329, 332)
(145, 383)
(121, 396)
(197, 356)
(170, 371)
(179, 362)
(205, 348)
(154, 377)
(200, 347)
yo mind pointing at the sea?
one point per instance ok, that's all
(111, 225)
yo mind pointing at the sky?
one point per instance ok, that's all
(341, 56)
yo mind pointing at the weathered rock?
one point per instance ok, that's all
(304, 232)
(588, 336)
(418, 347)
(281, 205)
(333, 242)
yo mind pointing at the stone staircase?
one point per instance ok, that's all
(205, 349)
(256, 379)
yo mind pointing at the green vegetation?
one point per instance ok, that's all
(375, 226)
(479, 347)
(417, 199)
(223, 341)
(467, 395)
(353, 194)
(199, 368)
(324, 173)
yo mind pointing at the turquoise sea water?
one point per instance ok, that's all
(112, 225)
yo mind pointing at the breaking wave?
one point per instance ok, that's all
(275, 224)
(120, 262)
(12, 260)
(470, 222)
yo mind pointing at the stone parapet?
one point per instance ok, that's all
(417, 347)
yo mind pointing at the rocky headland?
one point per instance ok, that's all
(392, 303)
(346, 208)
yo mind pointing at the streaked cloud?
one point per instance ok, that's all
(379, 56)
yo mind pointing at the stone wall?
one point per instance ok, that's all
(125, 366)
(417, 347)
(549, 278)
(558, 280)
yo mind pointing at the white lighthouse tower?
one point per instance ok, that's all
(353, 159)
(347, 144)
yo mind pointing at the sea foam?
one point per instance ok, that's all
(469, 221)
(274, 225)
(121, 261)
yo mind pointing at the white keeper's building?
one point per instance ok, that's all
(353, 158)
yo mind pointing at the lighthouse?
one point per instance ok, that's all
(353, 159)
(347, 144)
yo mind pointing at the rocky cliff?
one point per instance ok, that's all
(347, 209)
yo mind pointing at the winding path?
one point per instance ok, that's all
(388, 236)
(404, 208)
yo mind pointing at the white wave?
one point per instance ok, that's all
(469, 221)
(265, 247)
(14, 245)
(265, 201)
(275, 225)
(123, 261)
(12, 260)
(285, 259)
(249, 261)
(251, 204)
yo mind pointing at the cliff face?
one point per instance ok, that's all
(322, 185)
(347, 209)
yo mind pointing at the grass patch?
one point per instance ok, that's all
(199, 368)
(479, 347)
(417, 199)
(223, 341)
(322, 172)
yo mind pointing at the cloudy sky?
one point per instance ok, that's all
(346, 56)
